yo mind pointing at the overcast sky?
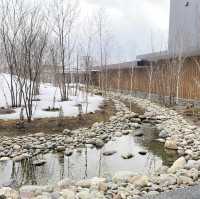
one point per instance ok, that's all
(138, 26)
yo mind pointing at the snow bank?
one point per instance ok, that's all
(47, 93)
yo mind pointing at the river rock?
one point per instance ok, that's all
(67, 194)
(16, 147)
(95, 182)
(178, 164)
(99, 143)
(118, 134)
(163, 134)
(160, 140)
(67, 132)
(122, 176)
(139, 181)
(4, 159)
(184, 180)
(40, 134)
(60, 148)
(84, 194)
(171, 144)
(192, 173)
(39, 162)
(139, 133)
(127, 156)
(84, 183)
(109, 153)
(68, 152)
(193, 164)
(65, 183)
(55, 195)
(9, 193)
(30, 191)
(142, 152)
(167, 180)
(68, 140)
(21, 157)
(126, 132)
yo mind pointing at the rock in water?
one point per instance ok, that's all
(171, 144)
(163, 134)
(99, 143)
(127, 156)
(68, 152)
(142, 152)
(109, 153)
(178, 164)
(4, 159)
(39, 162)
(138, 133)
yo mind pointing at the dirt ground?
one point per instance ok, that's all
(52, 125)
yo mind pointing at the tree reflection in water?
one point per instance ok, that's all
(86, 163)
(24, 172)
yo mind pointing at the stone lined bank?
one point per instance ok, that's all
(174, 130)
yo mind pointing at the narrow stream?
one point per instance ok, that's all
(90, 162)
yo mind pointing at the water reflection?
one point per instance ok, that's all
(89, 162)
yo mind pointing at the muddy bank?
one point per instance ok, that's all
(51, 126)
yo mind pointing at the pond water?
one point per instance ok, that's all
(90, 162)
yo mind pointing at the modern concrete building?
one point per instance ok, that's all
(184, 31)
(184, 27)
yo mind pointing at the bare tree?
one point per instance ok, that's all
(64, 16)
(11, 21)
(104, 39)
(33, 42)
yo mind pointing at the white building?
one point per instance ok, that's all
(184, 31)
(184, 28)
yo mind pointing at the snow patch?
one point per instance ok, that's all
(47, 93)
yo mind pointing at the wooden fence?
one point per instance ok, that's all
(165, 78)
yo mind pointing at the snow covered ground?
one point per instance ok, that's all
(47, 93)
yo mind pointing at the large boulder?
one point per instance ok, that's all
(177, 165)
(171, 144)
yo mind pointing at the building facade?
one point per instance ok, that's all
(184, 27)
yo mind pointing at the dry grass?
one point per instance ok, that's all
(50, 125)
